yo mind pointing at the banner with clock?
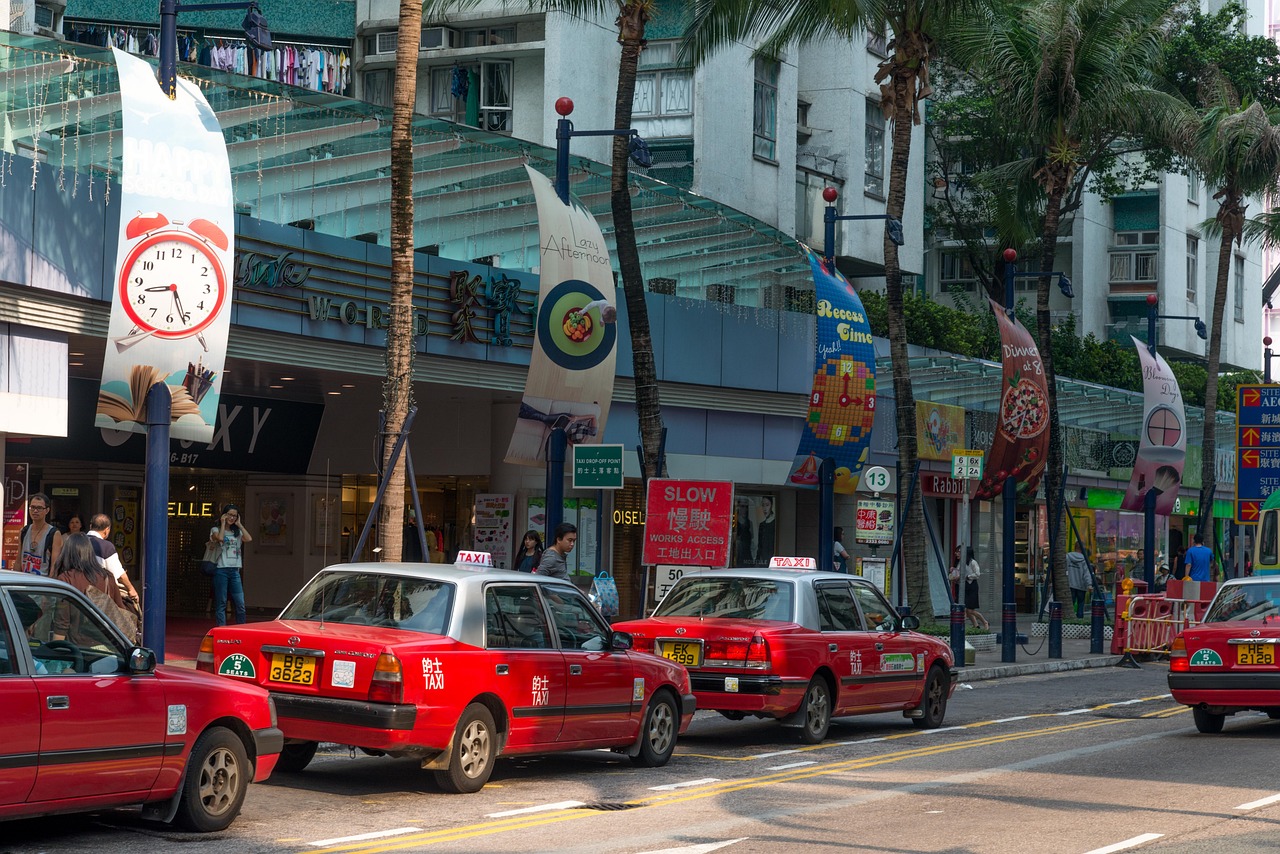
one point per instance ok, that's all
(171, 300)
(1163, 449)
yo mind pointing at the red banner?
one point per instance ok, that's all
(688, 522)
(1022, 433)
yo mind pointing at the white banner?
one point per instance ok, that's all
(1162, 450)
(171, 302)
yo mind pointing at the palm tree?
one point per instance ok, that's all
(1077, 73)
(632, 16)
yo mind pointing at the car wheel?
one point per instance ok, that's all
(934, 700)
(660, 728)
(297, 756)
(218, 775)
(1207, 721)
(817, 711)
(474, 751)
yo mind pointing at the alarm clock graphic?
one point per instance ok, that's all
(172, 283)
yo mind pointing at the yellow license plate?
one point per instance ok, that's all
(1256, 653)
(688, 653)
(293, 669)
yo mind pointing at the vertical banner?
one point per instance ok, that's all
(171, 303)
(842, 404)
(1162, 450)
(14, 513)
(494, 528)
(571, 368)
(940, 428)
(1021, 442)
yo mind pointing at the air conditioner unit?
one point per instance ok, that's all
(386, 42)
(440, 38)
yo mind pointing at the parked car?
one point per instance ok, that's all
(799, 646)
(453, 665)
(91, 722)
(1228, 662)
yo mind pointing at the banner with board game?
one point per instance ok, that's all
(842, 404)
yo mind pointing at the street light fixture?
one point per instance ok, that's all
(254, 25)
(892, 226)
(1266, 360)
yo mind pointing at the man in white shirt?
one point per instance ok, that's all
(99, 533)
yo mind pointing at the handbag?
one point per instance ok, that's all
(209, 563)
(604, 592)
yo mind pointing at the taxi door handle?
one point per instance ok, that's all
(833, 647)
(58, 702)
(575, 669)
(502, 669)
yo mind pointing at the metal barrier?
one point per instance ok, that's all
(1154, 621)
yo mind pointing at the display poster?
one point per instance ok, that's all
(14, 513)
(171, 303)
(493, 530)
(842, 402)
(688, 522)
(1021, 443)
(1162, 446)
(875, 522)
(274, 533)
(587, 549)
(873, 569)
(755, 528)
(571, 368)
(124, 525)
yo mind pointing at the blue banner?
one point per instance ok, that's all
(842, 404)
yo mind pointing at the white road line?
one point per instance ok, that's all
(672, 786)
(377, 834)
(861, 741)
(790, 765)
(1074, 712)
(699, 849)
(1011, 720)
(774, 753)
(1128, 843)
(559, 805)
(940, 729)
(1261, 802)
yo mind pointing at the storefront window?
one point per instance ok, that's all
(755, 530)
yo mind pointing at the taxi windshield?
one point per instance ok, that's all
(1237, 602)
(735, 598)
(374, 599)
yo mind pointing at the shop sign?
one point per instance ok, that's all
(688, 522)
(190, 509)
(875, 522)
(259, 270)
(628, 518)
(941, 485)
(940, 427)
(15, 511)
(597, 467)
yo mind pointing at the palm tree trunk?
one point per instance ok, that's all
(397, 391)
(631, 26)
(1053, 473)
(1208, 444)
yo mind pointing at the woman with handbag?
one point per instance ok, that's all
(229, 536)
(78, 566)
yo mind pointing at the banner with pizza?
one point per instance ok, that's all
(842, 402)
(575, 338)
(1162, 448)
(171, 300)
(1021, 443)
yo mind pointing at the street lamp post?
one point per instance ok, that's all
(254, 25)
(1266, 360)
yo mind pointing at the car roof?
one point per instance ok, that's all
(468, 574)
(766, 574)
(29, 578)
(1253, 579)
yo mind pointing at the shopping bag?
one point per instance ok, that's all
(209, 563)
(604, 592)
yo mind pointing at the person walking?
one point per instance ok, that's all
(530, 552)
(39, 542)
(972, 572)
(100, 539)
(78, 566)
(1078, 579)
(230, 537)
(841, 556)
(1199, 560)
(554, 560)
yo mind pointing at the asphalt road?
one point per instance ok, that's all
(1087, 761)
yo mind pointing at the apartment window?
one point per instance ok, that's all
(488, 35)
(662, 87)
(450, 88)
(1193, 269)
(1193, 188)
(873, 181)
(1134, 258)
(765, 124)
(877, 43)
(377, 88)
(1239, 282)
(957, 271)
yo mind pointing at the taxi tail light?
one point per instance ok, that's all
(1178, 661)
(752, 654)
(204, 658)
(387, 685)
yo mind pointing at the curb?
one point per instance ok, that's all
(1057, 665)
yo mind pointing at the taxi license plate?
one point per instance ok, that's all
(293, 669)
(688, 653)
(1256, 653)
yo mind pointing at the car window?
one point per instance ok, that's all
(8, 653)
(514, 618)
(836, 610)
(878, 613)
(1245, 602)
(68, 635)
(375, 599)
(736, 598)
(578, 626)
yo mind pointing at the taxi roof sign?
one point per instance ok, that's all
(466, 559)
(781, 562)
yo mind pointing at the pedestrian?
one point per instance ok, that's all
(39, 542)
(1199, 560)
(75, 525)
(1180, 564)
(742, 535)
(1078, 579)
(554, 560)
(229, 536)
(953, 574)
(1162, 578)
(841, 556)
(971, 574)
(765, 530)
(100, 538)
(78, 566)
(530, 552)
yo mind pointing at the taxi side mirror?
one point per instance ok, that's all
(141, 660)
(909, 623)
(620, 641)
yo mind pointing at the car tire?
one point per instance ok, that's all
(933, 702)
(475, 747)
(1274, 714)
(217, 778)
(658, 732)
(297, 756)
(816, 711)
(1208, 722)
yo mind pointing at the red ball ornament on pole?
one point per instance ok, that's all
(829, 195)
(1152, 299)
(564, 106)
(1010, 255)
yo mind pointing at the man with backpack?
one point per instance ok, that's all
(39, 541)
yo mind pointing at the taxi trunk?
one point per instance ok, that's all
(1227, 664)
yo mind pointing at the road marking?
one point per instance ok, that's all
(673, 786)
(792, 765)
(699, 849)
(377, 834)
(1011, 720)
(1261, 802)
(1128, 843)
(942, 729)
(558, 805)
(1074, 712)
(775, 753)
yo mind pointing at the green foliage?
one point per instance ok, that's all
(1208, 45)
(938, 630)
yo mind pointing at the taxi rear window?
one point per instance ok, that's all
(373, 599)
(1245, 602)
(734, 598)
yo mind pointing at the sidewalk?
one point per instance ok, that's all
(1075, 656)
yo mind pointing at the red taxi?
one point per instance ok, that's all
(453, 666)
(798, 646)
(1228, 663)
(90, 721)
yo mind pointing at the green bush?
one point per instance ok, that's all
(944, 631)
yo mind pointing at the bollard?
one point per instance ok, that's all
(957, 632)
(1095, 633)
(1009, 632)
(1055, 630)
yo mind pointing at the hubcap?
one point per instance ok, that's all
(661, 728)
(817, 708)
(475, 749)
(219, 781)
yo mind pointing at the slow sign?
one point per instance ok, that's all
(687, 522)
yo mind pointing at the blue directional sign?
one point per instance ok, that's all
(1257, 448)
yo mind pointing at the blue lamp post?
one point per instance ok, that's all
(1266, 360)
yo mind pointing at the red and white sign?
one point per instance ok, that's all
(780, 562)
(688, 522)
(875, 522)
(474, 559)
